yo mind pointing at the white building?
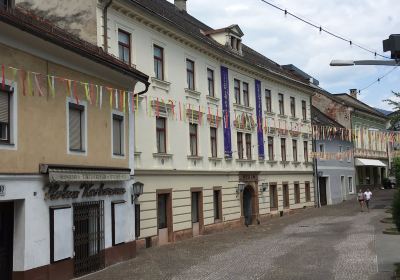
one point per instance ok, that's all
(223, 136)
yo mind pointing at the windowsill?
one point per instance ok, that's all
(245, 160)
(296, 162)
(306, 121)
(77, 151)
(228, 158)
(284, 162)
(243, 107)
(269, 113)
(282, 116)
(294, 118)
(272, 161)
(118, 156)
(307, 163)
(215, 159)
(213, 98)
(195, 157)
(294, 133)
(160, 84)
(193, 93)
(137, 154)
(261, 160)
(162, 155)
(8, 144)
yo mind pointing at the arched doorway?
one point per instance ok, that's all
(248, 210)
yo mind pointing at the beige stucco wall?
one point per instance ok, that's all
(42, 122)
(75, 16)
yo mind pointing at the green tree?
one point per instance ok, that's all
(394, 102)
(396, 209)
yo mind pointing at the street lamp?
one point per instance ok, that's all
(264, 187)
(239, 189)
(137, 190)
(340, 62)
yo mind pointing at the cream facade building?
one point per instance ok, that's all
(222, 138)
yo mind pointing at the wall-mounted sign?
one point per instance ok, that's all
(248, 177)
(62, 191)
(2, 190)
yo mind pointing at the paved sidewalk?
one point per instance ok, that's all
(334, 242)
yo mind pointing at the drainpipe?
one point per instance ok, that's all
(105, 26)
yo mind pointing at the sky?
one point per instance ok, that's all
(289, 41)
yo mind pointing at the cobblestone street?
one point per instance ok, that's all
(335, 242)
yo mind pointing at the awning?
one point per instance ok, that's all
(369, 162)
(76, 174)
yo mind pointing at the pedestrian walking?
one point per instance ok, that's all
(360, 197)
(367, 197)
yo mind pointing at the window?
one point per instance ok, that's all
(248, 145)
(281, 105)
(305, 151)
(308, 191)
(283, 149)
(213, 140)
(162, 201)
(118, 135)
(5, 101)
(304, 109)
(351, 190)
(240, 144)
(273, 196)
(193, 139)
(340, 152)
(293, 107)
(195, 207)
(270, 148)
(246, 101)
(217, 205)
(161, 135)
(190, 73)
(210, 77)
(296, 193)
(321, 148)
(268, 101)
(294, 146)
(348, 152)
(124, 46)
(76, 127)
(237, 91)
(285, 190)
(118, 210)
(159, 62)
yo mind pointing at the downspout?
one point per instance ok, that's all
(105, 26)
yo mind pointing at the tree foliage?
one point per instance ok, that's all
(394, 102)
(396, 209)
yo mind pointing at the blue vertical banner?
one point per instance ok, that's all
(226, 112)
(260, 134)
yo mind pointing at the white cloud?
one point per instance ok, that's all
(287, 40)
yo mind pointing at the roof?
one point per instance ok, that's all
(45, 30)
(359, 105)
(319, 118)
(186, 23)
(300, 72)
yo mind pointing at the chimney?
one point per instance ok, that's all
(353, 93)
(180, 4)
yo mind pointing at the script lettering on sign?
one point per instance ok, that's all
(57, 191)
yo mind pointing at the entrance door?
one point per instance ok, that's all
(163, 204)
(88, 237)
(322, 191)
(286, 201)
(6, 239)
(248, 205)
(196, 213)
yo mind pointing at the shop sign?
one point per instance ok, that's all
(2, 190)
(57, 191)
(87, 176)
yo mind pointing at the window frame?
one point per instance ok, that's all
(305, 151)
(273, 196)
(9, 123)
(214, 139)
(82, 106)
(297, 198)
(246, 96)
(268, 100)
(218, 191)
(293, 107)
(307, 190)
(239, 142)
(295, 150)
(195, 137)
(281, 103)
(161, 130)
(271, 148)
(286, 196)
(248, 146)
(211, 82)
(120, 117)
(124, 45)
(283, 150)
(236, 86)
(190, 73)
(158, 60)
(304, 109)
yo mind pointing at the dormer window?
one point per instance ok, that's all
(236, 43)
(229, 36)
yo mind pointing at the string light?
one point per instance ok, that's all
(321, 29)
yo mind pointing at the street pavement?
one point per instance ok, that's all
(333, 242)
